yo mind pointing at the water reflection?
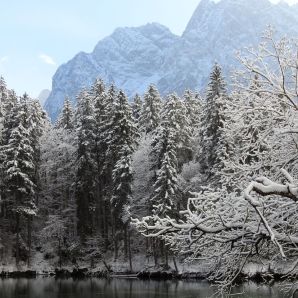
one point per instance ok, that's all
(120, 288)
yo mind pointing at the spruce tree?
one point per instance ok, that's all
(150, 116)
(102, 108)
(7, 123)
(122, 179)
(109, 109)
(171, 147)
(3, 95)
(166, 191)
(122, 129)
(99, 95)
(193, 104)
(110, 102)
(214, 146)
(137, 108)
(66, 117)
(19, 171)
(174, 115)
(85, 165)
(121, 139)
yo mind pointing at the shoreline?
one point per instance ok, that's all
(159, 275)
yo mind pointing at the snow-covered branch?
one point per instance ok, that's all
(275, 63)
(266, 187)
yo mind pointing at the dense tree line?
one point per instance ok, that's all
(22, 124)
(83, 187)
(75, 184)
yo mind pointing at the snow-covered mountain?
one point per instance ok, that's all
(43, 96)
(133, 58)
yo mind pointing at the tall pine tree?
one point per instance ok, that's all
(166, 192)
(150, 116)
(215, 147)
(85, 165)
(137, 108)
(66, 117)
(19, 171)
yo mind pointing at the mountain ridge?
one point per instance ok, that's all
(134, 57)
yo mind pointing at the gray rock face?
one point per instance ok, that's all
(132, 58)
(43, 96)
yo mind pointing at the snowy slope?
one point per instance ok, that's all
(133, 58)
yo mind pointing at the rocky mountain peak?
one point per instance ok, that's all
(133, 58)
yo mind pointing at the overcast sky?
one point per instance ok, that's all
(39, 35)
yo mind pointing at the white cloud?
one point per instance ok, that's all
(47, 59)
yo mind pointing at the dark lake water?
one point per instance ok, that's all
(120, 288)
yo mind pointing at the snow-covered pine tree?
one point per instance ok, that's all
(166, 192)
(19, 170)
(5, 223)
(137, 107)
(122, 194)
(170, 149)
(122, 132)
(12, 99)
(3, 96)
(150, 116)
(86, 161)
(215, 147)
(103, 100)
(8, 101)
(121, 138)
(66, 117)
(103, 105)
(99, 95)
(174, 115)
(108, 110)
(110, 101)
(38, 121)
(122, 179)
(193, 103)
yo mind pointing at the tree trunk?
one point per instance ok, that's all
(29, 230)
(125, 242)
(59, 252)
(155, 251)
(17, 239)
(161, 250)
(167, 256)
(148, 248)
(105, 226)
(175, 264)
(129, 251)
(114, 236)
